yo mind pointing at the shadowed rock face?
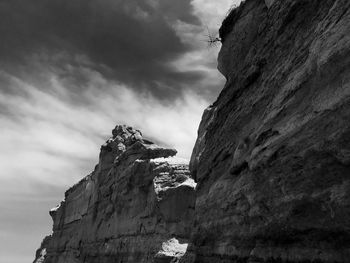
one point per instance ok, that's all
(136, 206)
(272, 159)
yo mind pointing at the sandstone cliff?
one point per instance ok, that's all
(136, 206)
(272, 158)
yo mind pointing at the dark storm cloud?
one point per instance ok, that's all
(131, 41)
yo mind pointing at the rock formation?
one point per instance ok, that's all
(271, 162)
(272, 158)
(136, 206)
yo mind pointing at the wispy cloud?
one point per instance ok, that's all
(129, 41)
(49, 134)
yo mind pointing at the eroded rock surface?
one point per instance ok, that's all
(272, 159)
(136, 204)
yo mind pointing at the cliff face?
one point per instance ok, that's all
(272, 158)
(136, 206)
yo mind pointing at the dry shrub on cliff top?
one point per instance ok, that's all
(230, 17)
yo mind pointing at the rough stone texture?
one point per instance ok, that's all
(137, 202)
(272, 159)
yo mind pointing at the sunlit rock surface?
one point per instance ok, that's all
(136, 204)
(272, 159)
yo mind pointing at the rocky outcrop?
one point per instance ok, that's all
(136, 206)
(272, 159)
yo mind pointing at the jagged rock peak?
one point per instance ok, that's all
(126, 134)
(127, 141)
(122, 137)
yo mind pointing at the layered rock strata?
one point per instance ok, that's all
(136, 206)
(272, 158)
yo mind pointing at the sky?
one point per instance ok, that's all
(70, 71)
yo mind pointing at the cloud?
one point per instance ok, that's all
(135, 42)
(129, 41)
(44, 127)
